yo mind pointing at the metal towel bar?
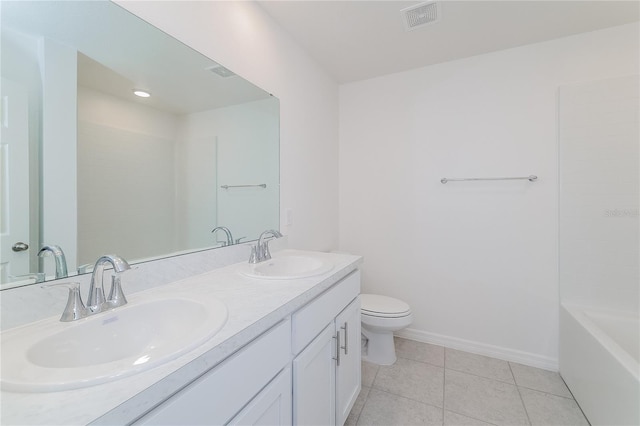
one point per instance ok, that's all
(530, 178)
(261, 185)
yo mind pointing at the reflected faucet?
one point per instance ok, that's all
(58, 256)
(96, 301)
(226, 231)
(260, 252)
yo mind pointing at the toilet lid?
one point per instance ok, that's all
(383, 306)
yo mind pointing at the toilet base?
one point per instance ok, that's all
(381, 348)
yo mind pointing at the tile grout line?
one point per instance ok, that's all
(444, 365)
(375, 376)
(421, 362)
(474, 418)
(405, 397)
(570, 398)
(368, 393)
(543, 391)
(513, 376)
(554, 396)
(574, 398)
(482, 377)
(445, 383)
(363, 404)
(443, 407)
(514, 383)
(520, 394)
(444, 379)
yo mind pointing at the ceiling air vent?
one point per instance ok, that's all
(221, 71)
(420, 15)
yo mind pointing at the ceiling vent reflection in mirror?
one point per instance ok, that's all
(420, 15)
(221, 71)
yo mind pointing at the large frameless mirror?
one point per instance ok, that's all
(89, 166)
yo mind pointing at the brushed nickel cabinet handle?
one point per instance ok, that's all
(337, 337)
(345, 327)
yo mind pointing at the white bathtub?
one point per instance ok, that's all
(600, 362)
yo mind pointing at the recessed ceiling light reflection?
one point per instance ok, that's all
(141, 93)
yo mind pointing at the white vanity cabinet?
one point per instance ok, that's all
(274, 362)
(348, 374)
(245, 377)
(305, 370)
(314, 381)
(272, 406)
(326, 345)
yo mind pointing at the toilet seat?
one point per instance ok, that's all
(375, 305)
(380, 317)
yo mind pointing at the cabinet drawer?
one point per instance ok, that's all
(311, 319)
(271, 407)
(221, 393)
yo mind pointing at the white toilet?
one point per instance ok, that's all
(381, 316)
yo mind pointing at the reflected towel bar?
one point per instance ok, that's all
(261, 185)
(530, 178)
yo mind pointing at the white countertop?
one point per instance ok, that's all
(254, 307)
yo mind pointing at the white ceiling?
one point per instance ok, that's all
(360, 39)
(120, 52)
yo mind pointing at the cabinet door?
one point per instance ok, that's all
(271, 407)
(220, 394)
(348, 381)
(314, 381)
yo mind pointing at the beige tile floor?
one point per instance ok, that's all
(433, 385)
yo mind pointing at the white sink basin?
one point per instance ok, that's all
(287, 267)
(51, 355)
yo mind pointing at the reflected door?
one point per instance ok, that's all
(14, 180)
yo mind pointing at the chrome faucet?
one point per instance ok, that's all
(58, 256)
(260, 252)
(226, 231)
(96, 301)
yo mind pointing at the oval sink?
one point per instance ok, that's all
(287, 268)
(50, 355)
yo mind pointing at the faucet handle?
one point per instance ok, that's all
(75, 309)
(116, 295)
(253, 258)
(96, 299)
(266, 254)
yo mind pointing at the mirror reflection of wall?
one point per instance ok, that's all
(126, 171)
(21, 110)
(108, 172)
(153, 175)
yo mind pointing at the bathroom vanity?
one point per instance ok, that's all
(289, 353)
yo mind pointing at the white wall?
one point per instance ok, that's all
(242, 37)
(196, 160)
(20, 63)
(249, 155)
(599, 186)
(476, 261)
(235, 145)
(58, 198)
(125, 177)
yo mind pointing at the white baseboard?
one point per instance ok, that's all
(506, 354)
